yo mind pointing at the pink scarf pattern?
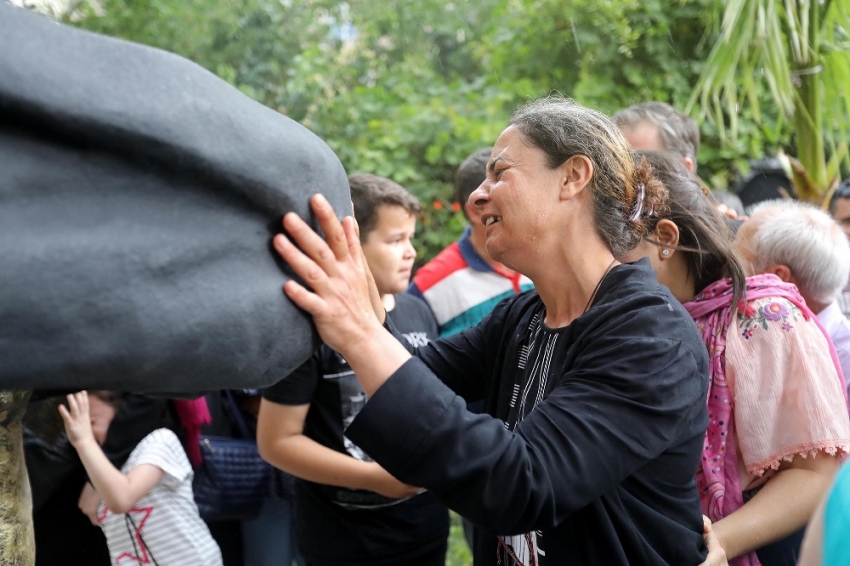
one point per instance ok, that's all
(712, 310)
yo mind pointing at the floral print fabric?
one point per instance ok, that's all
(770, 365)
(787, 398)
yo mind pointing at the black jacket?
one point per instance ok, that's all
(602, 470)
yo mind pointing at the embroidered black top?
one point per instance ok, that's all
(598, 429)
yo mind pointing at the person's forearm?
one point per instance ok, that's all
(306, 459)
(375, 358)
(110, 483)
(783, 506)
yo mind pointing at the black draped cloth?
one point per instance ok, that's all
(138, 197)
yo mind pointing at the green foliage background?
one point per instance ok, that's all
(407, 89)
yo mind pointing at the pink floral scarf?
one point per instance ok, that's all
(712, 310)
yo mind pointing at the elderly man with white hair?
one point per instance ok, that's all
(802, 245)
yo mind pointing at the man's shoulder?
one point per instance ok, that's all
(841, 335)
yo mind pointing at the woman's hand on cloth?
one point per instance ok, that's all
(716, 554)
(342, 298)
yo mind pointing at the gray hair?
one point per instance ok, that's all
(624, 192)
(679, 133)
(807, 241)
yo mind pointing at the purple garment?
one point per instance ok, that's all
(838, 328)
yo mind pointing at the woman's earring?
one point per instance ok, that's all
(665, 253)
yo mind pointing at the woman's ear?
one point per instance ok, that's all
(575, 174)
(667, 236)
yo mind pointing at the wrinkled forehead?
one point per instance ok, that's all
(643, 136)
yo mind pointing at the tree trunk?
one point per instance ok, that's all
(17, 542)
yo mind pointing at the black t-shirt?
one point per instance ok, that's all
(348, 526)
(597, 434)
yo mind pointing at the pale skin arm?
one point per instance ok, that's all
(282, 443)
(784, 505)
(89, 502)
(119, 492)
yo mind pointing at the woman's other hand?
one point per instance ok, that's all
(77, 419)
(716, 554)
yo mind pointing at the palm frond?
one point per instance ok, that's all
(835, 48)
(751, 48)
(777, 45)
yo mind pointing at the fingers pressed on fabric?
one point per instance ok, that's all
(308, 301)
(352, 237)
(312, 273)
(310, 243)
(334, 233)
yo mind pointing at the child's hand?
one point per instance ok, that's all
(77, 420)
(89, 502)
(385, 484)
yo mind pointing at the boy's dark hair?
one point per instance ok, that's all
(470, 175)
(370, 192)
(111, 398)
(704, 236)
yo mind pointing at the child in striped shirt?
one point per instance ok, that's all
(148, 513)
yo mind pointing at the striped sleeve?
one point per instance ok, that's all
(162, 449)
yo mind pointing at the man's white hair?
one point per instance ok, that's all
(807, 241)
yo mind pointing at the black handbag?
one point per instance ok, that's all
(232, 482)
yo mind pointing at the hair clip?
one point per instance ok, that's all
(639, 203)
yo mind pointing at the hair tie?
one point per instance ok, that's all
(639, 203)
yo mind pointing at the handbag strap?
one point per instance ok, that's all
(237, 415)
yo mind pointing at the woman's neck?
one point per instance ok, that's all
(568, 278)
